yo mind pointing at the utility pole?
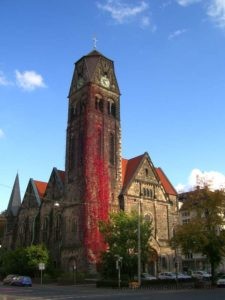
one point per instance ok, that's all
(139, 242)
(118, 266)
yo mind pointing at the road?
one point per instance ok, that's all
(51, 292)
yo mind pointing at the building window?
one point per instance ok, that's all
(46, 230)
(99, 143)
(146, 172)
(71, 152)
(112, 149)
(22, 234)
(144, 192)
(80, 148)
(111, 108)
(186, 214)
(185, 221)
(58, 225)
(99, 104)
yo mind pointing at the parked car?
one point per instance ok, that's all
(22, 281)
(9, 279)
(201, 275)
(167, 275)
(145, 277)
(221, 281)
(183, 276)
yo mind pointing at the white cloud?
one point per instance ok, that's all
(213, 179)
(187, 2)
(1, 133)
(176, 33)
(145, 21)
(216, 11)
(3, 80)
(122, 12)
(165, 4)
(29, 80)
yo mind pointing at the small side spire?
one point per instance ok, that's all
(15, 198)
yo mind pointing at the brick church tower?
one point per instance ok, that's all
(93, 146)
(64, 212)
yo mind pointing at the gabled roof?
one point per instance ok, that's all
(15, 198)
(129, 168)
(41, 187)
(169, 189)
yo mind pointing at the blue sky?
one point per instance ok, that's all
(170, 65)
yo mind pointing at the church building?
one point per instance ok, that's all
(63, 213)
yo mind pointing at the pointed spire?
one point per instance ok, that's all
(15, 198)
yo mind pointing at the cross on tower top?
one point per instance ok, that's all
(95, 42)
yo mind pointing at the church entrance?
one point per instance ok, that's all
(152, 263)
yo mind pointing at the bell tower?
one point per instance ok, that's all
(93, 146)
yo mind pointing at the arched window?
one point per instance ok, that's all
(71, 152)
(22, 234)
(148, 218)
(80, 148)
(150, 193)
(112, 149)
(99, 143)
(46, 230)
(144, 192)
(147, 193)
(146, 172)
(58, 226)
(111, 107)
(99, 103)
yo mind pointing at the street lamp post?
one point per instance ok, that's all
(139, 242)
(118, 266)
(74, 272)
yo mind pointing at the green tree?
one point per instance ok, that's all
(120, 233)
(205, 233)
(24, 260)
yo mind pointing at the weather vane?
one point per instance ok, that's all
(95, 42)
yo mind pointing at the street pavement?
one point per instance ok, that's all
(89, 292)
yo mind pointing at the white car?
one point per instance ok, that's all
(221, 281)
(201, 275)
(146, 277)
(183, 276)
(167, 275)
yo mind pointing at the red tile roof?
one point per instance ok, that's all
(41, 187)
(165, 182)
(129, 167)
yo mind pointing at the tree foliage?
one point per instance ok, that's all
(23, 260)
(205, 233)
(120, 233)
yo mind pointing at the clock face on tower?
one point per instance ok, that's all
(105, 81)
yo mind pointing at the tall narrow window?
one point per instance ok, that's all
(99, 103)
(99, 143)
(80, 148)
(111, 107)
(71, 152)
(112, 149)
(46, 230)
(58, 225)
